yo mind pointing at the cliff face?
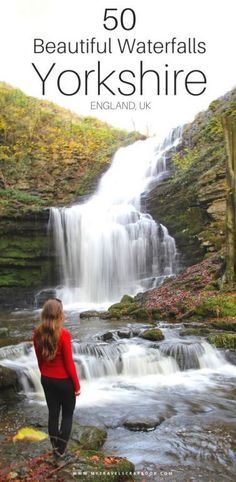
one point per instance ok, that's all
(192, 201)
(26, 258)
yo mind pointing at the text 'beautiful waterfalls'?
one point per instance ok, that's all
(108, 246)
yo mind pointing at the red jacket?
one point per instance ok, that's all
(62, 365)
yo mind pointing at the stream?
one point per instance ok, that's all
(167, 406)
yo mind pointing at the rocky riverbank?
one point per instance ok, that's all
(194, 296)
(38, 464)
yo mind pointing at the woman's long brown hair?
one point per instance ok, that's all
(48, 332)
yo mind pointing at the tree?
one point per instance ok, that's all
(229, 124)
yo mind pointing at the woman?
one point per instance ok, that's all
(59, 379)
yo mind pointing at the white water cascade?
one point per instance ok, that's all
(110, 367)
(108, 246)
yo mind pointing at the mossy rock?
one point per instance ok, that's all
(152, 334)
(8, 378)
(194, 332)
(117, 306)
(110, 315)
(101, 468)
(215, 306)
(224, 325)
(89, 314)
(123, 308)
(140, 314)
(223, 340)
(4, 332)
(126, 299)
(156, 314)
(89, 437)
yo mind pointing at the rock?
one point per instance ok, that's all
(43, 296)
(9, 341)
(89, 314)
(89, 437)
(194, 332)
(230, 356)
(219, 306)
(4, 332)
(109, 315)
(143, 425)
(8, 378)
(223, 340)
(152, 334)
(125, 333)
(108, 336)
(224, 325)
(140, 314)
(126, 299)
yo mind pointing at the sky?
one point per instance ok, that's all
(55, 21)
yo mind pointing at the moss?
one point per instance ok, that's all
(223, 340)
(59, 154)
(194, 332)
(197, 187)
(123, 308)
(152, 334)
(126, 299)
(8, 378)
(224, 325)
(216, 306)
(89, 438)
(140, 314)
(156, 314)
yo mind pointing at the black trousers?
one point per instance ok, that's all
(60, 398)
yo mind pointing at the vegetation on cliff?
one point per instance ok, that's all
(196, 191)
(49, 155)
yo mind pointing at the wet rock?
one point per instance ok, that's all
(223, 340)
(152, 334)
(89, 437)
(230, 356)
(4, 332)
(126, 299)
(89, 314)
(109, 315)
(141, 314)
(224, 325)
(194, 332)
(9, 341)
(8, 378)
(108, 336)
(143, 425)
(43, 296)
(125, 333)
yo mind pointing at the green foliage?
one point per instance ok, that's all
(216, 306)
(21, 196)
(223, 340)
(194, 332)
(140, 314)
(185, 158)
(48, 153)
(224, 325)
(213, 129)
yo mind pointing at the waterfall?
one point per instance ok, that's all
(108, 246)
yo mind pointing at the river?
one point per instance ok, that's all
(168, 406)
